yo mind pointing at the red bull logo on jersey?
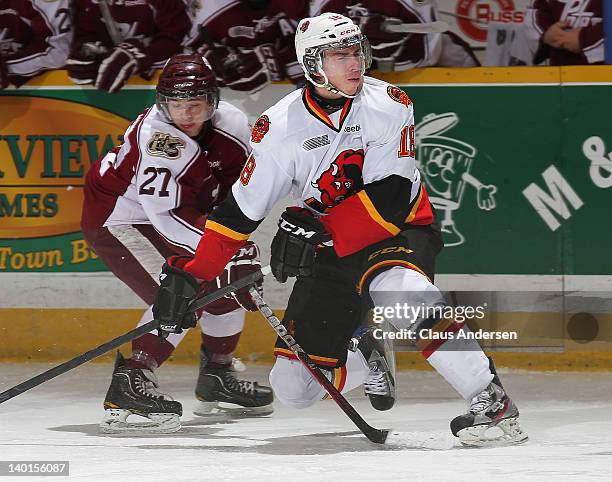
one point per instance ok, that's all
(260, 128)
(398, 95)
(342, 178)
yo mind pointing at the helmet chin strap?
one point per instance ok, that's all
(327, 85)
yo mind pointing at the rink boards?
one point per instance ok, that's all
(536, 140)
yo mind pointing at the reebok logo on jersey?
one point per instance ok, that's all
(165, 145)
(355, 128)
(316, 142)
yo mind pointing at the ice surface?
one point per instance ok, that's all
(568, 417)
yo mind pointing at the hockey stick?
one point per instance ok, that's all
(129, 336)
(424, 28)
(464, 17)
(109, 22)
(375, 435)
(392, 438)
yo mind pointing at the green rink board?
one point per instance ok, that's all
(480, 148)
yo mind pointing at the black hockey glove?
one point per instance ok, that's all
(177, 289)
(295, 243)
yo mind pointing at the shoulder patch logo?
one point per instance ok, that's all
(260, 128)
(304, 26)
(398, 95)
(165, 145)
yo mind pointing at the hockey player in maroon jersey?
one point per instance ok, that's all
(569, 33)
(35, 36)
(362, 229)
(115, 39)
(401, 51)
(148, 199)
(249, 43)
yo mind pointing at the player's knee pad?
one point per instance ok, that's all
(293, 385)
(411, 292)
(226, 324)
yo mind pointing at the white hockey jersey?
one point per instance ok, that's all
(355, 169)
(321, 159)
(161, 176)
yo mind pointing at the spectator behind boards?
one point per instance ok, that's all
(569, 33)
(35, 36)
(114, 40)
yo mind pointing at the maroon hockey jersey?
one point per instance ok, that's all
(401, 51)
(162, 177)
(35, 36)
(584, 14)
(249, 47)
(160, 25)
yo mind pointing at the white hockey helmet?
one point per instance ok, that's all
(314, 35)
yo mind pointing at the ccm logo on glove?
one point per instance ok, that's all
(295, 230)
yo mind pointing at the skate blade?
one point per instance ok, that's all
(506, 432)
(224, 411)
(115, 422)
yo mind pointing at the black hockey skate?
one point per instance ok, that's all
(379, 384)
(492, 418)
(222, 395)
(134, 391)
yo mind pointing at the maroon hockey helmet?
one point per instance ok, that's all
(186, 76)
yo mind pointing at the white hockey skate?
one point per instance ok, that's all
(133, 392)
(492, 418)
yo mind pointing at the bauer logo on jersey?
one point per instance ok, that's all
(165, 145)
(260, 128)
(342, 178)
(398, 95)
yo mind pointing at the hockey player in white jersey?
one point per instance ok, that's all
(148, 199)
(362, 227)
